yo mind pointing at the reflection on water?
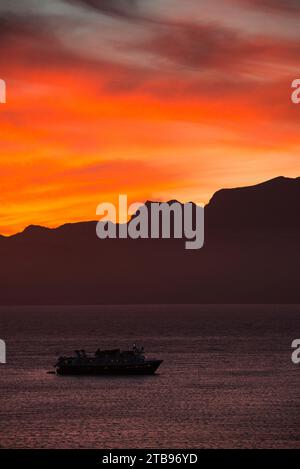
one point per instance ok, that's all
(227, 379)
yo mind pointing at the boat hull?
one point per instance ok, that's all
(147, 368)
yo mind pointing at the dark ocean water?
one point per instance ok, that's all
(227, 379)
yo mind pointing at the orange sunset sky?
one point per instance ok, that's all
(158, 99)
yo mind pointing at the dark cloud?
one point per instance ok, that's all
(13, 26)
(132, 10)
(128, 9)
(205, 47)
(29, 40)
(194, 45)
(283, 6)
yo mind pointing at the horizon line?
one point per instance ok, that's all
(148, 201)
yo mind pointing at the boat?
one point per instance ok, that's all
(108, 362)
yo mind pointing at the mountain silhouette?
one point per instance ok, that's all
(250, 255)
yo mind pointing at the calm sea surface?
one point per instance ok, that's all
(227, 379)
